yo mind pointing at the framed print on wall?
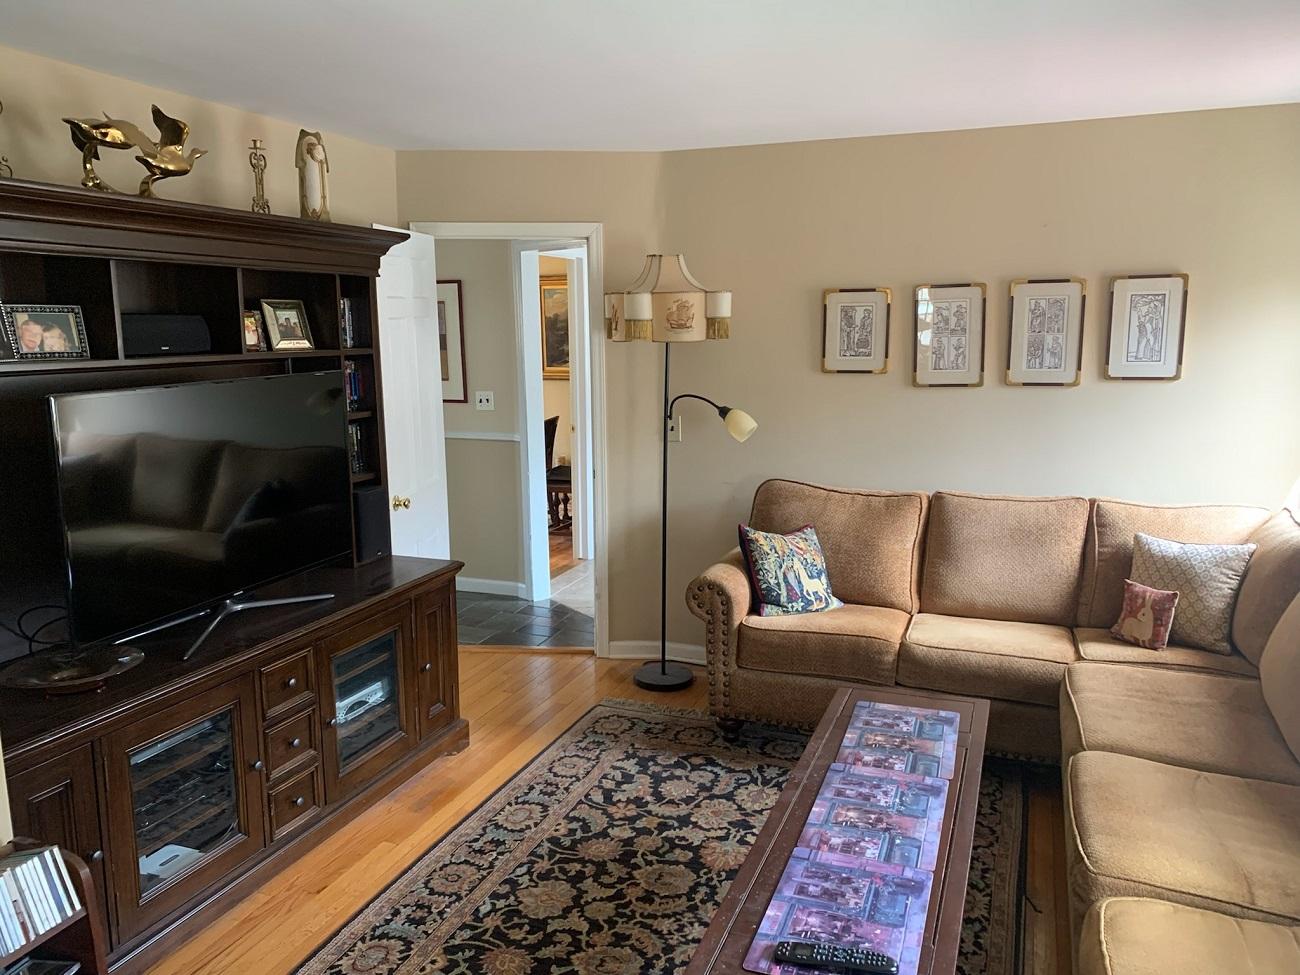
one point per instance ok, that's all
(949, 348)
(1045, 345)
(855, 330)
(451, 341)
(554, 295)
(1148, 315)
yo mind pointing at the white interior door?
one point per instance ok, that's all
(412, 376)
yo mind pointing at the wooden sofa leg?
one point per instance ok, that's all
(730, 728)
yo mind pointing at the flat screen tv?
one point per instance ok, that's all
(173, 497)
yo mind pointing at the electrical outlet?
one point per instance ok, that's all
(485, 399)
(675, 430)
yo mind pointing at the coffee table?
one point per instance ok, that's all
(733, 928)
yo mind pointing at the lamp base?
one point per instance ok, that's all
(655, 676)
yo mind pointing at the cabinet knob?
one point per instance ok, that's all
(426, 668)
(291, 683)
(95, 856)
(295, 743)
(333, 722)
(299, 801)
(259, 765)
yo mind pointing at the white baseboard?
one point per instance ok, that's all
(495, 587)
(686, 653)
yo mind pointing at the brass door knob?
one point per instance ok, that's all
(400, 502)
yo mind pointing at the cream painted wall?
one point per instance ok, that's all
(1213, 194)
(38, 92)
(483, 477)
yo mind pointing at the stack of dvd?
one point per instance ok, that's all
(345, 323)
(36, 895)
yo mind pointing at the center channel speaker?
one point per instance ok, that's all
(370, 505)
(146, 335)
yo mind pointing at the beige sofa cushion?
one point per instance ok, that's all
(858, 643)
(1141, 828)
(987, 658)
(1272, 581)
(1098, 644)
(1108, 554)
(872, 539)
(1141, 936)
(1003, 558)
(1209, 722)
(1279, 675)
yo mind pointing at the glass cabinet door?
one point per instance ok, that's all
(367, 698)
(184, 797)
(185, 801)
(368, 703)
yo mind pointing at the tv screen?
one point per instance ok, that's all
(176, 496)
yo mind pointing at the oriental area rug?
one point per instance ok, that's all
(610, 852)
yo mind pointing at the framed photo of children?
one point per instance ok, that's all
(254, 336)
(286, 324)
(855, 330)
(1045, 344)
(44, 332)
(554, 296)
(949, 334)
(1148, 314)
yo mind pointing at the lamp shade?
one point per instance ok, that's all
(667, 304)
(740, 425)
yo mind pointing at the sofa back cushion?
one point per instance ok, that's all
(871, 539)
(172, 480)
(1272, 582)
(1108, 554)
(1279, 675)
(1004, 558)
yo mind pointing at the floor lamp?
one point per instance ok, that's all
(667, 305)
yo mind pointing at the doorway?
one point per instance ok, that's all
(532, 352)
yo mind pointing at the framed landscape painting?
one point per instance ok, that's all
(554, 296)
(1148, 313)
(949, 334)
(451, 341)
(1045, 345)
(855, 330)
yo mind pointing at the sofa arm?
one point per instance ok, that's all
(720, 596)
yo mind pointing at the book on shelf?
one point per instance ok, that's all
(36, 895)
(356, 449)
(354, 385)
(345, 323)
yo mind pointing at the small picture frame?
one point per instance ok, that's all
(855, 330)
(1148, 319)
(1045, 340)
(553, 291)
(254, 334)
(286, 324)
(451, 341)
(44, 332)
(949, 325)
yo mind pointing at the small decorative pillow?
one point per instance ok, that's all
(788, 572)
(1147, 616)
(1206, 577)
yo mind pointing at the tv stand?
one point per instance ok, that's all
(235, 605)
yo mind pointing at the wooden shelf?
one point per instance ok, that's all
(365, 477)
(40, 939)
(78, 937)
(357, 350)
(361, 414)
(160, 361)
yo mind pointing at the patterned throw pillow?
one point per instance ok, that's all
(1147, 616)
(1206, 577)
(788, 572)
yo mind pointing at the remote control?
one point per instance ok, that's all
(835, 958)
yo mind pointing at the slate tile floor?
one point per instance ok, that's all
(508, 621)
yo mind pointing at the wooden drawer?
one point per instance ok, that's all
(290, 743)
(295, 802)
(288, 685)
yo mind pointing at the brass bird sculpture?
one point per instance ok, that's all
(163, 159)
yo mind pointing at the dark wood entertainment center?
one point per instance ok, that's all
(184, 783)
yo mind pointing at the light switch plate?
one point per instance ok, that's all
(485, 399)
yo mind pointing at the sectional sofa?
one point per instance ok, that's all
(1181, 767)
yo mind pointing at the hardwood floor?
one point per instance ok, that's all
(561, 553)
(517, 703)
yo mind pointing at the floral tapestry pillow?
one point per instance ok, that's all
(1147, 616)
(788, 572)
(1206, 577)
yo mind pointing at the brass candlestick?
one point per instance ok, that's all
(257, 159)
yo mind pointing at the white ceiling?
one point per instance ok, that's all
(674, 74)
